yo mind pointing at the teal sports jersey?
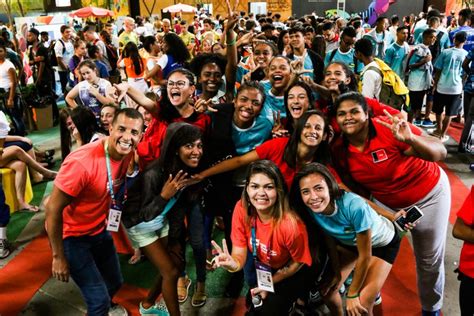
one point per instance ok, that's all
(419, 79)
(272, 104)
(352, 216)
(246, 140)
(449, 62)
(346, 58)
(396, 56)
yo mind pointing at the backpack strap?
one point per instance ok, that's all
(407, 68)
(64, 45)
(333, 53)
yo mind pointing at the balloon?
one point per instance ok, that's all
(381, 6)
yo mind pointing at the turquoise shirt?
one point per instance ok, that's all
(396, 56)
(449, 62)
(246, 140)
(346, 58)
(352, 216)
(273, 103)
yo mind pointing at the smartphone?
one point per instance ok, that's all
(414, 214)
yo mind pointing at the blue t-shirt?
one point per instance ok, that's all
(450, 63)
(444, 43)
(346, 58)
(469, 44)
(352, 216)
(272, 104)
(246, 140)
(395, 57)
(103, 73)
(469, 86)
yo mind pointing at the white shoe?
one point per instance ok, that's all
(118, 310)
(4, 248)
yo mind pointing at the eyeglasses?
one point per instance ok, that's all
(179, 84)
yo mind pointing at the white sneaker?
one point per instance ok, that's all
(118, 310)
(4, 248)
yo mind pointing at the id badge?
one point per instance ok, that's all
(113, 223)
(264, 277)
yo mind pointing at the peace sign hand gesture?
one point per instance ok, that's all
(399, 127)
(224, 259)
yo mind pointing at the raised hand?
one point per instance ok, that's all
(399, 127)
(173, 185)
(278, 130)
(202, 105)
(223, 258)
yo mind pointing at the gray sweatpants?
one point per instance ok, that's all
(429, 243)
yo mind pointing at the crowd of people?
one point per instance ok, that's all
(307, 138)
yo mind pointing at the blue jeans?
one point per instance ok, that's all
(196, 240)
(94, 266)
(4, 209)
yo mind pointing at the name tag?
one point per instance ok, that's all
(264, 277)
(113, 222)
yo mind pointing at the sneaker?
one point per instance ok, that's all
(378, 299)
(417, 122)
(4, 248)
(427, 123)
(117, 310)
(445, 139)
(314, 297)
(159, 309)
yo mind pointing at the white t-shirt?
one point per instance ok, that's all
(68, 52)
(371, 81)
(5, 82)
(90, 101)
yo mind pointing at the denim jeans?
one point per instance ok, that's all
(196, 240)
(63, 79)
(94, 266)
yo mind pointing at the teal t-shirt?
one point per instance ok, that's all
(346, 58)
(396, 56)
(352, 216)
(246, 140)
(450, 63)
(273, 103)
(420, 78)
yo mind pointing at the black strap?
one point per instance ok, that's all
(333, 53)
(64, 45)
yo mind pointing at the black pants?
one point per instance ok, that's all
(286, 292)
(466, 292)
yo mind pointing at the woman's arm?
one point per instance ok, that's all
(231, 67)
(138, 97)
(230, 164)
(156, 70)
(71, 97)
(13, 83)
(287, 271)
(102, 99)
(364, 248)
(231, 263)
(463, 231)
(426, 147)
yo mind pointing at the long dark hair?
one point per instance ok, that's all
(321, 155)
(64, 132)
(131, 51)
(281, 46)
(315, 235)
(85, 122)
(289, 121)
(176, 48)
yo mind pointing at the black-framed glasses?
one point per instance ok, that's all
(179, 84)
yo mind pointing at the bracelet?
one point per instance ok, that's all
(353, 296)
(232, 43)
(235, 269)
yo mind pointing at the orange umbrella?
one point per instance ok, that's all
(91, 11)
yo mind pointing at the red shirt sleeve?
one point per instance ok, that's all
(272, 148)
(72, 178)
(378, 108)
(239, 233)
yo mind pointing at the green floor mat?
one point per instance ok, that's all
(18, 221)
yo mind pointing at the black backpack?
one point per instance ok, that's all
(52, 53)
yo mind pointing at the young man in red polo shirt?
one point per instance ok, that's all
(83, 209)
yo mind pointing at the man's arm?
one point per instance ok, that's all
(54, 226)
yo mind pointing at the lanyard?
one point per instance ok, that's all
(254, 242)
(109, 176)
